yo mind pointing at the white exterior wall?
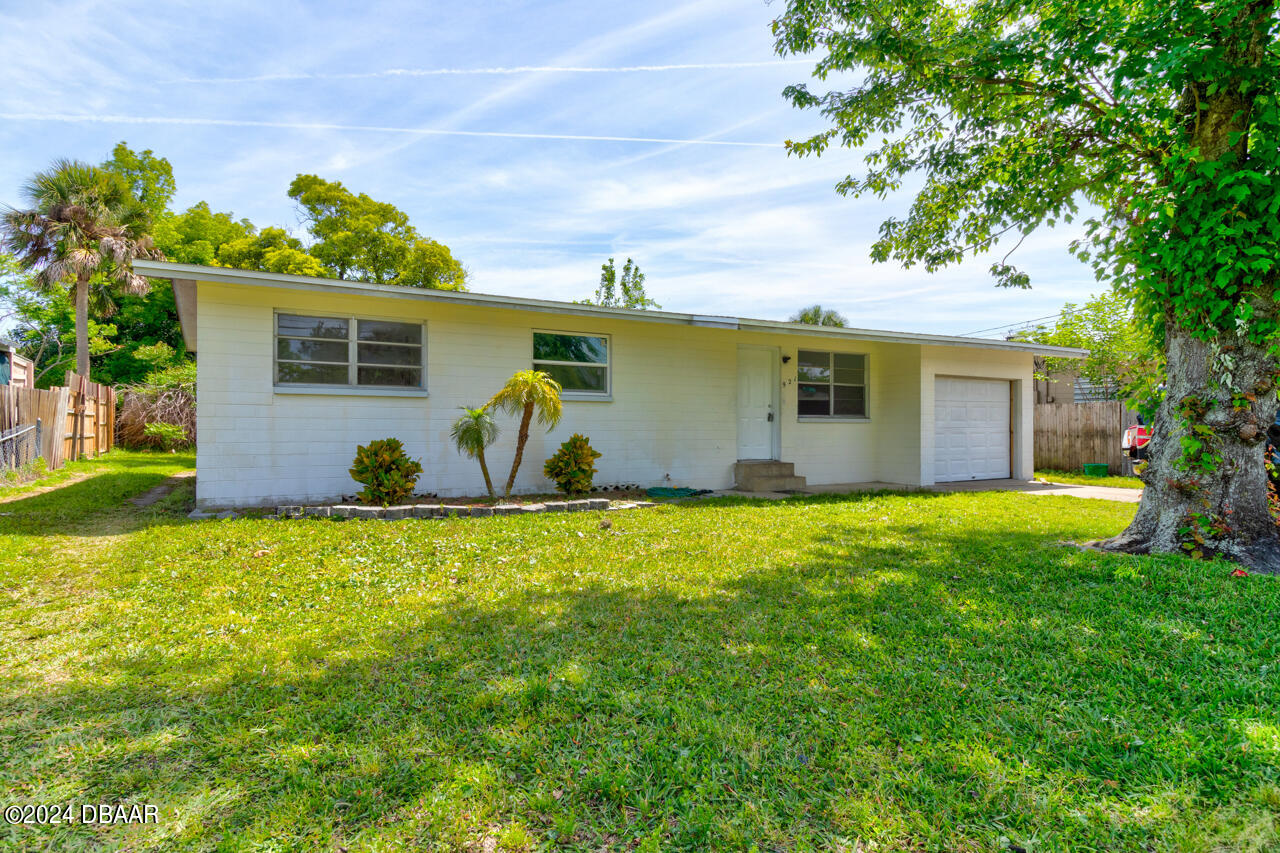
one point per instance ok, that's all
(673, 410)
(1017, 367)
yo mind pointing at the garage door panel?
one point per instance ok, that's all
(971, 429)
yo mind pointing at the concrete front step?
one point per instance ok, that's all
(767, 476)
(766, 468)
(772, 484)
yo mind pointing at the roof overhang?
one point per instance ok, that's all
(184, 297)
(185, 276)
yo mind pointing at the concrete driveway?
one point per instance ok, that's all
(1035, 487)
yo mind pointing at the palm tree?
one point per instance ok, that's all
(83, 221)
(527, 392)
(472, 433)
(816, 315)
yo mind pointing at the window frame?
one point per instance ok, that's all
(604, 396)
(353, 365)
(866, 388)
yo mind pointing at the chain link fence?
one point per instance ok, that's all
(20, 446)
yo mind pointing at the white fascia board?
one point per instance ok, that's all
(911, 337)
(165, 269)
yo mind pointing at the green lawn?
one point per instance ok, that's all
(912, 671)
(1078, 479)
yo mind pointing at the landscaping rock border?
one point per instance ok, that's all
(396, 513)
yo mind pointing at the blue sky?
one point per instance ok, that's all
(383, 96)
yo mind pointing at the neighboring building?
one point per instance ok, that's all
(294, 372)
(1068, 386)
(14, 369)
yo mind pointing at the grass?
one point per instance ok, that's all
(1075, 478)
(900, 672)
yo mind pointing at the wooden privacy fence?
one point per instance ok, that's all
(76, 420)
(1069, 435)
(91, 417)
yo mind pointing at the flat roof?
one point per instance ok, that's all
(196, 272)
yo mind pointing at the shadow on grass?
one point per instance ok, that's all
(924, 685)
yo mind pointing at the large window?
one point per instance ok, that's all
(348, 351)
(580, 363)
(832, 385)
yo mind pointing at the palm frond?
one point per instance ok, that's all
(473, 431)
(530, 388)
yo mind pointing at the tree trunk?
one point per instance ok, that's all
(1209, 499)
(82, 325)
(1206, 482)
(521, 438)
(484, 468)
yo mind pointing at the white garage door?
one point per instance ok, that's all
(971, 429)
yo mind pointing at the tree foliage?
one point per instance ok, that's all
(42, 323)
(816, 315)
(82, 228)
(197, 235)
(271, 250)
(625, 291)
(472, 432)
(1123, 361)
(150, 178)
(1158, 123)
(349, 236)
(356, 237)
(527, 393)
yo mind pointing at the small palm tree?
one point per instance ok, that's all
(83, 222)
(528, 392)
(472, 433)
(816, 315)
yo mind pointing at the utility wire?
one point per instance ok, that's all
(1013, 325)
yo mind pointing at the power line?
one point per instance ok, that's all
(1014, 325)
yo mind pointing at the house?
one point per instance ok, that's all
(14, 369)
(294, 372)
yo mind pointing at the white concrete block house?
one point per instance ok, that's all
(294, 372)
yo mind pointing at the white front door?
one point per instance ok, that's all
(971, 429)
(757, 420)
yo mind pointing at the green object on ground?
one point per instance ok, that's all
(783, 648)
(668, 492)
(1095, 469)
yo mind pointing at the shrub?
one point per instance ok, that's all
(170, 436)
(573, 466)
(166, 396)
(388, 474)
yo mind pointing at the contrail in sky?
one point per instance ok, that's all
(367, 128)
(518, 69)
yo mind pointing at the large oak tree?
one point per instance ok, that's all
(1156, 121)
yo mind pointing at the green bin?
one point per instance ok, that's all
(1095, 469)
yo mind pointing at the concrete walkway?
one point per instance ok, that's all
(1037, 487)
(1034, 487)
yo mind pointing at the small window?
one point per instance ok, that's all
(580, 363)
(831, 385)
(348, 351)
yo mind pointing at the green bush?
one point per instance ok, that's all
(169, 436)
(573, 466)
(387, 473)
(178, 375)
